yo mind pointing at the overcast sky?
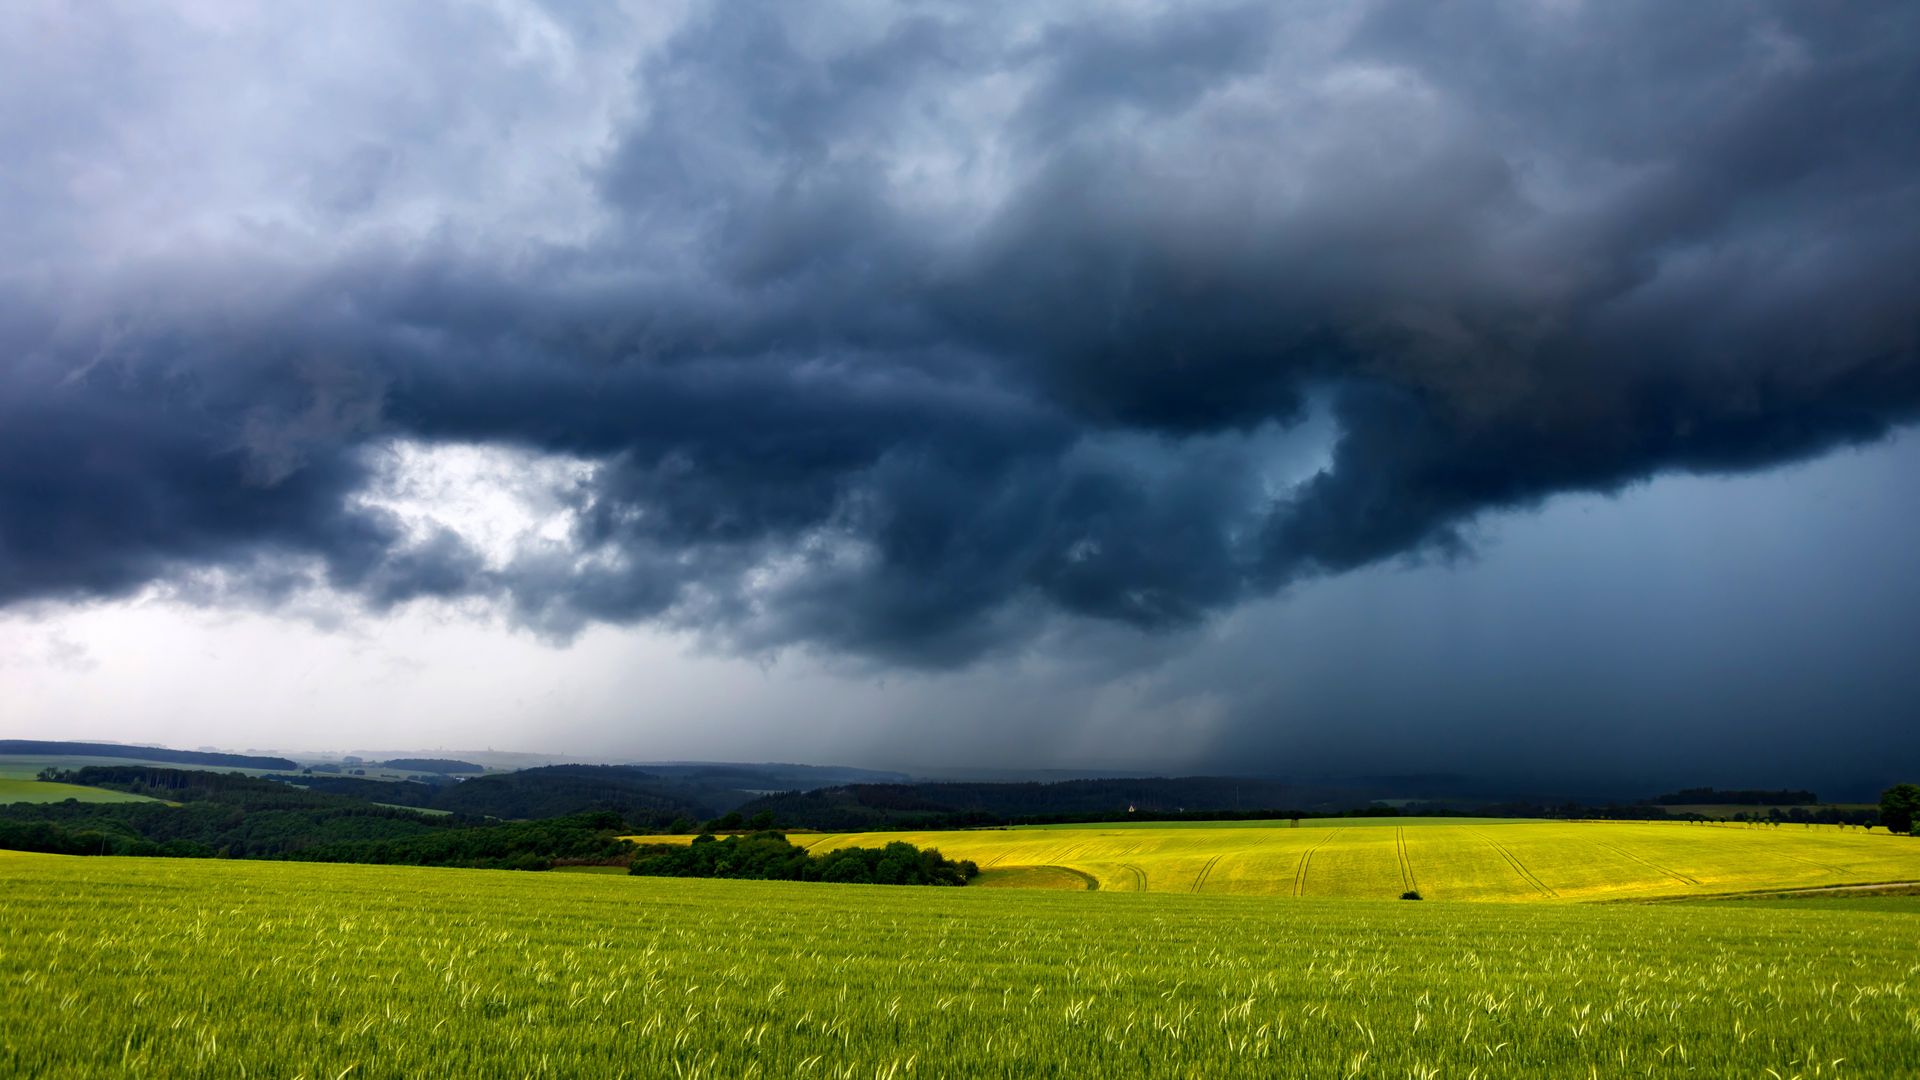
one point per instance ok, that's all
(1510, 388)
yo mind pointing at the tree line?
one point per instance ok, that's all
(1706, 796)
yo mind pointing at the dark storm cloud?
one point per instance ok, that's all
(892, 338)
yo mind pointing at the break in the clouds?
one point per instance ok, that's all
(898, 330)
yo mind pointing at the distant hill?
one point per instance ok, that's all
(433, 765)
(556, 790)
(42, 748)
(641, 796)
(232, 815)
(768, 776)
(864, 806)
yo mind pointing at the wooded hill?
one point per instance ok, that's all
(863, 807)
(44, 748)
(647, 800)
(235, 816)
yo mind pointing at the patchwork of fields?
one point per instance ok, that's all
(28, 766)
(1441, 858)
(225, 969)
(17, 790)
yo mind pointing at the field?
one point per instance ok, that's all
(14, 790)
(28, 766)
(1441, 858)
(226, 969)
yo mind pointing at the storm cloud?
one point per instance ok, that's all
(897, 331)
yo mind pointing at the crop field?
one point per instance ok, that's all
(14, 790)
(226, 969)
(28, 766)
(1441, 858)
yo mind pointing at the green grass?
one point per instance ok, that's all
(225, 969)
(1442, 859)
(14, 790)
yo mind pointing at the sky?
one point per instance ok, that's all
(1517, 389)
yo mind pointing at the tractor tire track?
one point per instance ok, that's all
(1526, 875)
(1306, 860)
(1406, 861)
(1684, 879)
(1828, 867)
(1201, 878)
(1138, 875)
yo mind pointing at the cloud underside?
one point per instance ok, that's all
(895, 335)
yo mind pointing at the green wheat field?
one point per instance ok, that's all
(210, 968)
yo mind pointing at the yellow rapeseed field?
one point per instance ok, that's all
(1442, 859)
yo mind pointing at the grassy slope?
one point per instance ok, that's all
(36, 791)
(1440, 858)
(215, 968)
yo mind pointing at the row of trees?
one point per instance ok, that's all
(1706, 796)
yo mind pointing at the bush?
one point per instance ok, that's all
(1411, 894)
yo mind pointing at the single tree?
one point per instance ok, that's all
(1898, 806)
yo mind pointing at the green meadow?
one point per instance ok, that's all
(17, 790)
